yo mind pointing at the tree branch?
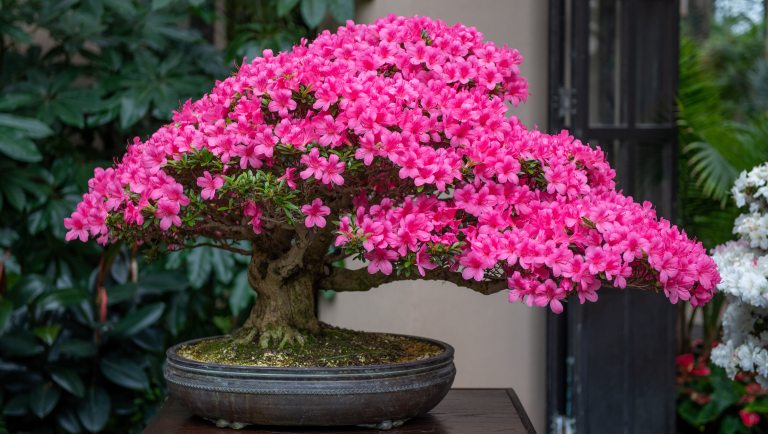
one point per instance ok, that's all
(343, 280)
(294, 257)
(221, 246)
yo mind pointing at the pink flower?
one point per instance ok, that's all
(474, 267)
(381, 260)
(423, 262)
(332, 170)
(168, 213)
(289, 178)
(254, 212)
(209, 185)
(78, 227)
(315, 213)
(281, 102)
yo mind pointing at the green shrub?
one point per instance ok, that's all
(83, 330)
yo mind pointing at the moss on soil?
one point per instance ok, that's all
(332, 347)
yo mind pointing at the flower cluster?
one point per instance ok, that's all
(398, 133)
(744, 269)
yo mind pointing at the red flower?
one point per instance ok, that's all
(700, 399)
(685, 361)
(748, 418)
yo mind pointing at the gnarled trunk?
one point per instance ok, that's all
(284, 310)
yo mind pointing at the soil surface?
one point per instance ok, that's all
(332, 347)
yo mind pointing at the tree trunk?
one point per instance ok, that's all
(284, 311)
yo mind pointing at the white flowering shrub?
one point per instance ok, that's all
(743, 267)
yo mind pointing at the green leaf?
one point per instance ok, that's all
(62, 298)
(122, 7)
(48, 333)
(159, 4)
(242, 295)
(43, 399)
(199, 266)
(69, 381)
(162, 282)
(342, 10)
(313, 12)
(18, 148)
(37, 222)
(150, 339)
(21, 344)
(76, 348)
(285, 6)
(132, 109)
(138, 320)
(28, 288)
(15, 33)
(125, 372)
(31, 127)
(223, 263)
(15, 194)
(93, 410)
(17, 406)
(67, 420)
(121, 293)
(12, 101)
(6, 309)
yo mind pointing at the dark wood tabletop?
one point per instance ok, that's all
(463, 411)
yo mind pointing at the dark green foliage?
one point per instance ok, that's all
(94, 74)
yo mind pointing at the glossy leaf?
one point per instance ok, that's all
(125, 372)
(342, 10)
(48, 333)
(121, 293)
(223, 263)
(242, 294)
(6, 309)
(76, 348)
(18, 405)
(29, 287)
(20, 345)
(139, 319)
(285, 6)
(313, 11)
(199, 266)
(67, 420)
(18, 147)
(69, 381)
(31, 127)
(61, 299)
(93, 410)
(43, 399)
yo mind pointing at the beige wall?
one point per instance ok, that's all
(497, 344)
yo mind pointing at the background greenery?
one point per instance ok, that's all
(723, 130)
(83, 329)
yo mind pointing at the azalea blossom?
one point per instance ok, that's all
(315, 213)
(209, 185)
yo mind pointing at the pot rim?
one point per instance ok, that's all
(446, 356)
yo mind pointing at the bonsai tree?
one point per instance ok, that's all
(744, 264)
(390, 143)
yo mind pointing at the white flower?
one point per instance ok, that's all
(743, 267)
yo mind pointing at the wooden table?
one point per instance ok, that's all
(463, 411)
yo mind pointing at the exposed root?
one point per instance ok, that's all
(281, 337)
(273, 337)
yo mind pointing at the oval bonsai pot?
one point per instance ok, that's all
(379, 396)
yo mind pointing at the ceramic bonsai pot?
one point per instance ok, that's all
(377, 396)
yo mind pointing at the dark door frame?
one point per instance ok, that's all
(576, 379)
